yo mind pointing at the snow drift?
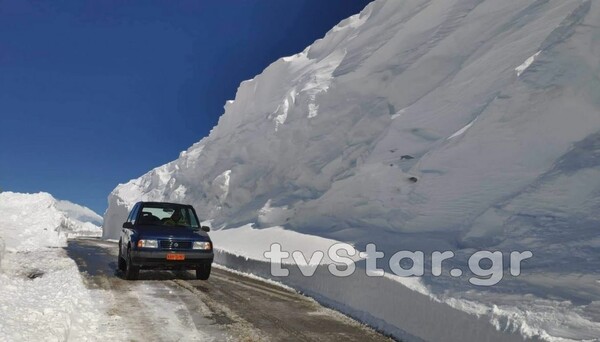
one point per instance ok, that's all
(423, 125)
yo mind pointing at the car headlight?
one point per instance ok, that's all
(147, 244)
(202, 245)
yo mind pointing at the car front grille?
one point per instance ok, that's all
(174, 244)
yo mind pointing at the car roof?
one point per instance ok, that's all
(165, 204)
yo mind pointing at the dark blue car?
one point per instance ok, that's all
(160, 235)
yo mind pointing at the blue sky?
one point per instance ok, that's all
(95, 93)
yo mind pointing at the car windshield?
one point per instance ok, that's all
(168, 215)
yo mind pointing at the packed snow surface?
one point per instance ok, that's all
(455, 125)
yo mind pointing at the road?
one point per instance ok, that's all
(173, 306)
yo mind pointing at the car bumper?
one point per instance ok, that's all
(158, 259)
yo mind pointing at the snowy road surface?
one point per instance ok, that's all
(173, 306)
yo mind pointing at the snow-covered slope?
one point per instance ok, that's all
(431, 125)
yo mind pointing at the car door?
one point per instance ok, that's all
(126, 232)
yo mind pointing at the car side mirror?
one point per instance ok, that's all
(205, 228)
(128, 225)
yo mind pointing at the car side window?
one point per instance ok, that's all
(133, 215)
(130, 213)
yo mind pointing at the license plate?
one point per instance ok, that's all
(175, 256)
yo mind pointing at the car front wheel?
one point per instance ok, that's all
(203, 272)
(132, 272)
(122, 265)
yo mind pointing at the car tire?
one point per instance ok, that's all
(203, 272)
(132, 272)
(121, 263)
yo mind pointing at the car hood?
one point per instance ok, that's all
(159, 233)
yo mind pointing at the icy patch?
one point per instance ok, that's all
(320, 80)
(221, 185)
(313, 110)
(398, 114)
(283, 109)
(521, 68)
(462, 130)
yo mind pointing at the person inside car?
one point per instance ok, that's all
(176, 219)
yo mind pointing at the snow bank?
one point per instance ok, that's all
(44, 299)
(30, 222)
(402, 312)
(34, 221)
(416, 125)
(42, 295)
(251, 243)
(79, 213)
